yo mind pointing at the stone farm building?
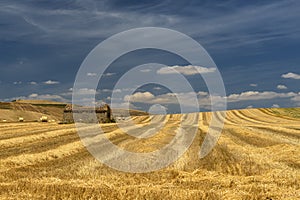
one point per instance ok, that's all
(85, 114)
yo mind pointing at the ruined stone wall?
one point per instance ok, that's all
(68, 117)
(86, 114)
(86, 117)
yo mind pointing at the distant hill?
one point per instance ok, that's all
(38, 101)
(33, 110)
(120, 112)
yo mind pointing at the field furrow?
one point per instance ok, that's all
(256, 157)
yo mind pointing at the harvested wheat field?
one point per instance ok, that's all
(256, 157)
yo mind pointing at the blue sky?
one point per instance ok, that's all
(255, 45)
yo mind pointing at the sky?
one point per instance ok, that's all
(255, 46)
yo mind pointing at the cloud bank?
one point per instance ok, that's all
(291, 75)
(186, 70)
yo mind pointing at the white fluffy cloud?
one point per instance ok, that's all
(109, 74)
(291, 75)
(281, 87)
(145, 70)
(81, 91)
(118, 90)
(275, 106)
(186, 99)
(201, 93)
(255, 95)
(140, 97)
(50, 82)
(158, 109)
(296, 99)
(205, 100)
(33, 83)
(50, 97)
(33, 95)
(91, 74)
(85, 91)
(157, 88)
(186, 70)
(17, 82)
(106, 90)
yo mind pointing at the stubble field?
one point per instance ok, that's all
(256, 157)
